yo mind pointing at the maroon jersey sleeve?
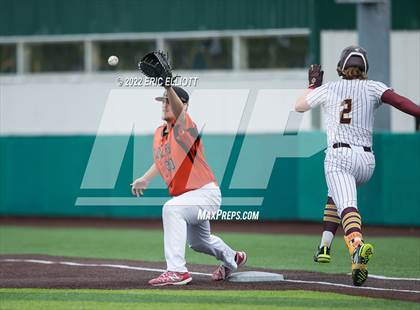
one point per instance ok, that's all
(401, 103)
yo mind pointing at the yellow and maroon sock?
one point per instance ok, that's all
(331, 222)
(331, 217)
(352, 226)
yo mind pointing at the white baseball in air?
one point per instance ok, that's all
(113, 60)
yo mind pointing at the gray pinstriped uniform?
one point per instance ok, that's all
(348, 108)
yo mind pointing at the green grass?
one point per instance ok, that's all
(182, 299)
(269, 251)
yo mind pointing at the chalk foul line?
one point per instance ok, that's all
(374, 276)
(48, 262)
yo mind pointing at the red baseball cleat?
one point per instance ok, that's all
(223, 272)
(240, 258)
(171, 278)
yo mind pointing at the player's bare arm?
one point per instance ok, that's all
(140, 184)
(301, 104)
(175, 102)
(315, 76)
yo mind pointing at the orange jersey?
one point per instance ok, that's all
(179, 156)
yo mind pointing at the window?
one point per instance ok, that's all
(260, 51)
(7, 58)
(128, 52)
(55, 57)
(277, 52)
(199, 54)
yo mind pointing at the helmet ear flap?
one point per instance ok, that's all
(340, 66)
(343, 55)
(339, 70)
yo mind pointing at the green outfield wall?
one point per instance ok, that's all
(46, 17)
(42, 176)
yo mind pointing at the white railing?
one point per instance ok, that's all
(160, 39)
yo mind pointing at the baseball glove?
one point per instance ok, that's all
(156, 65)
(315, 76)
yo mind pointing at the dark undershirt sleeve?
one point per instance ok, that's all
(186, 131)
(401, 103)
(188, 137)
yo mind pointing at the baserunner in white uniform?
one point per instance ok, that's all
(348, 107)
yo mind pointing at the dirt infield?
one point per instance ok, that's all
(307, 228)
(43, 271)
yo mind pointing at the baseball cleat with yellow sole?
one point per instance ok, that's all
(322, 255)
(361, 256)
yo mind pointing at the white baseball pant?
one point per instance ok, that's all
(181, 225)
(345, 169)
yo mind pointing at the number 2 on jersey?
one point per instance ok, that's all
(345, 117)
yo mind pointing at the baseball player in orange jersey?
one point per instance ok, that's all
(179, 159)
(348, 106)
